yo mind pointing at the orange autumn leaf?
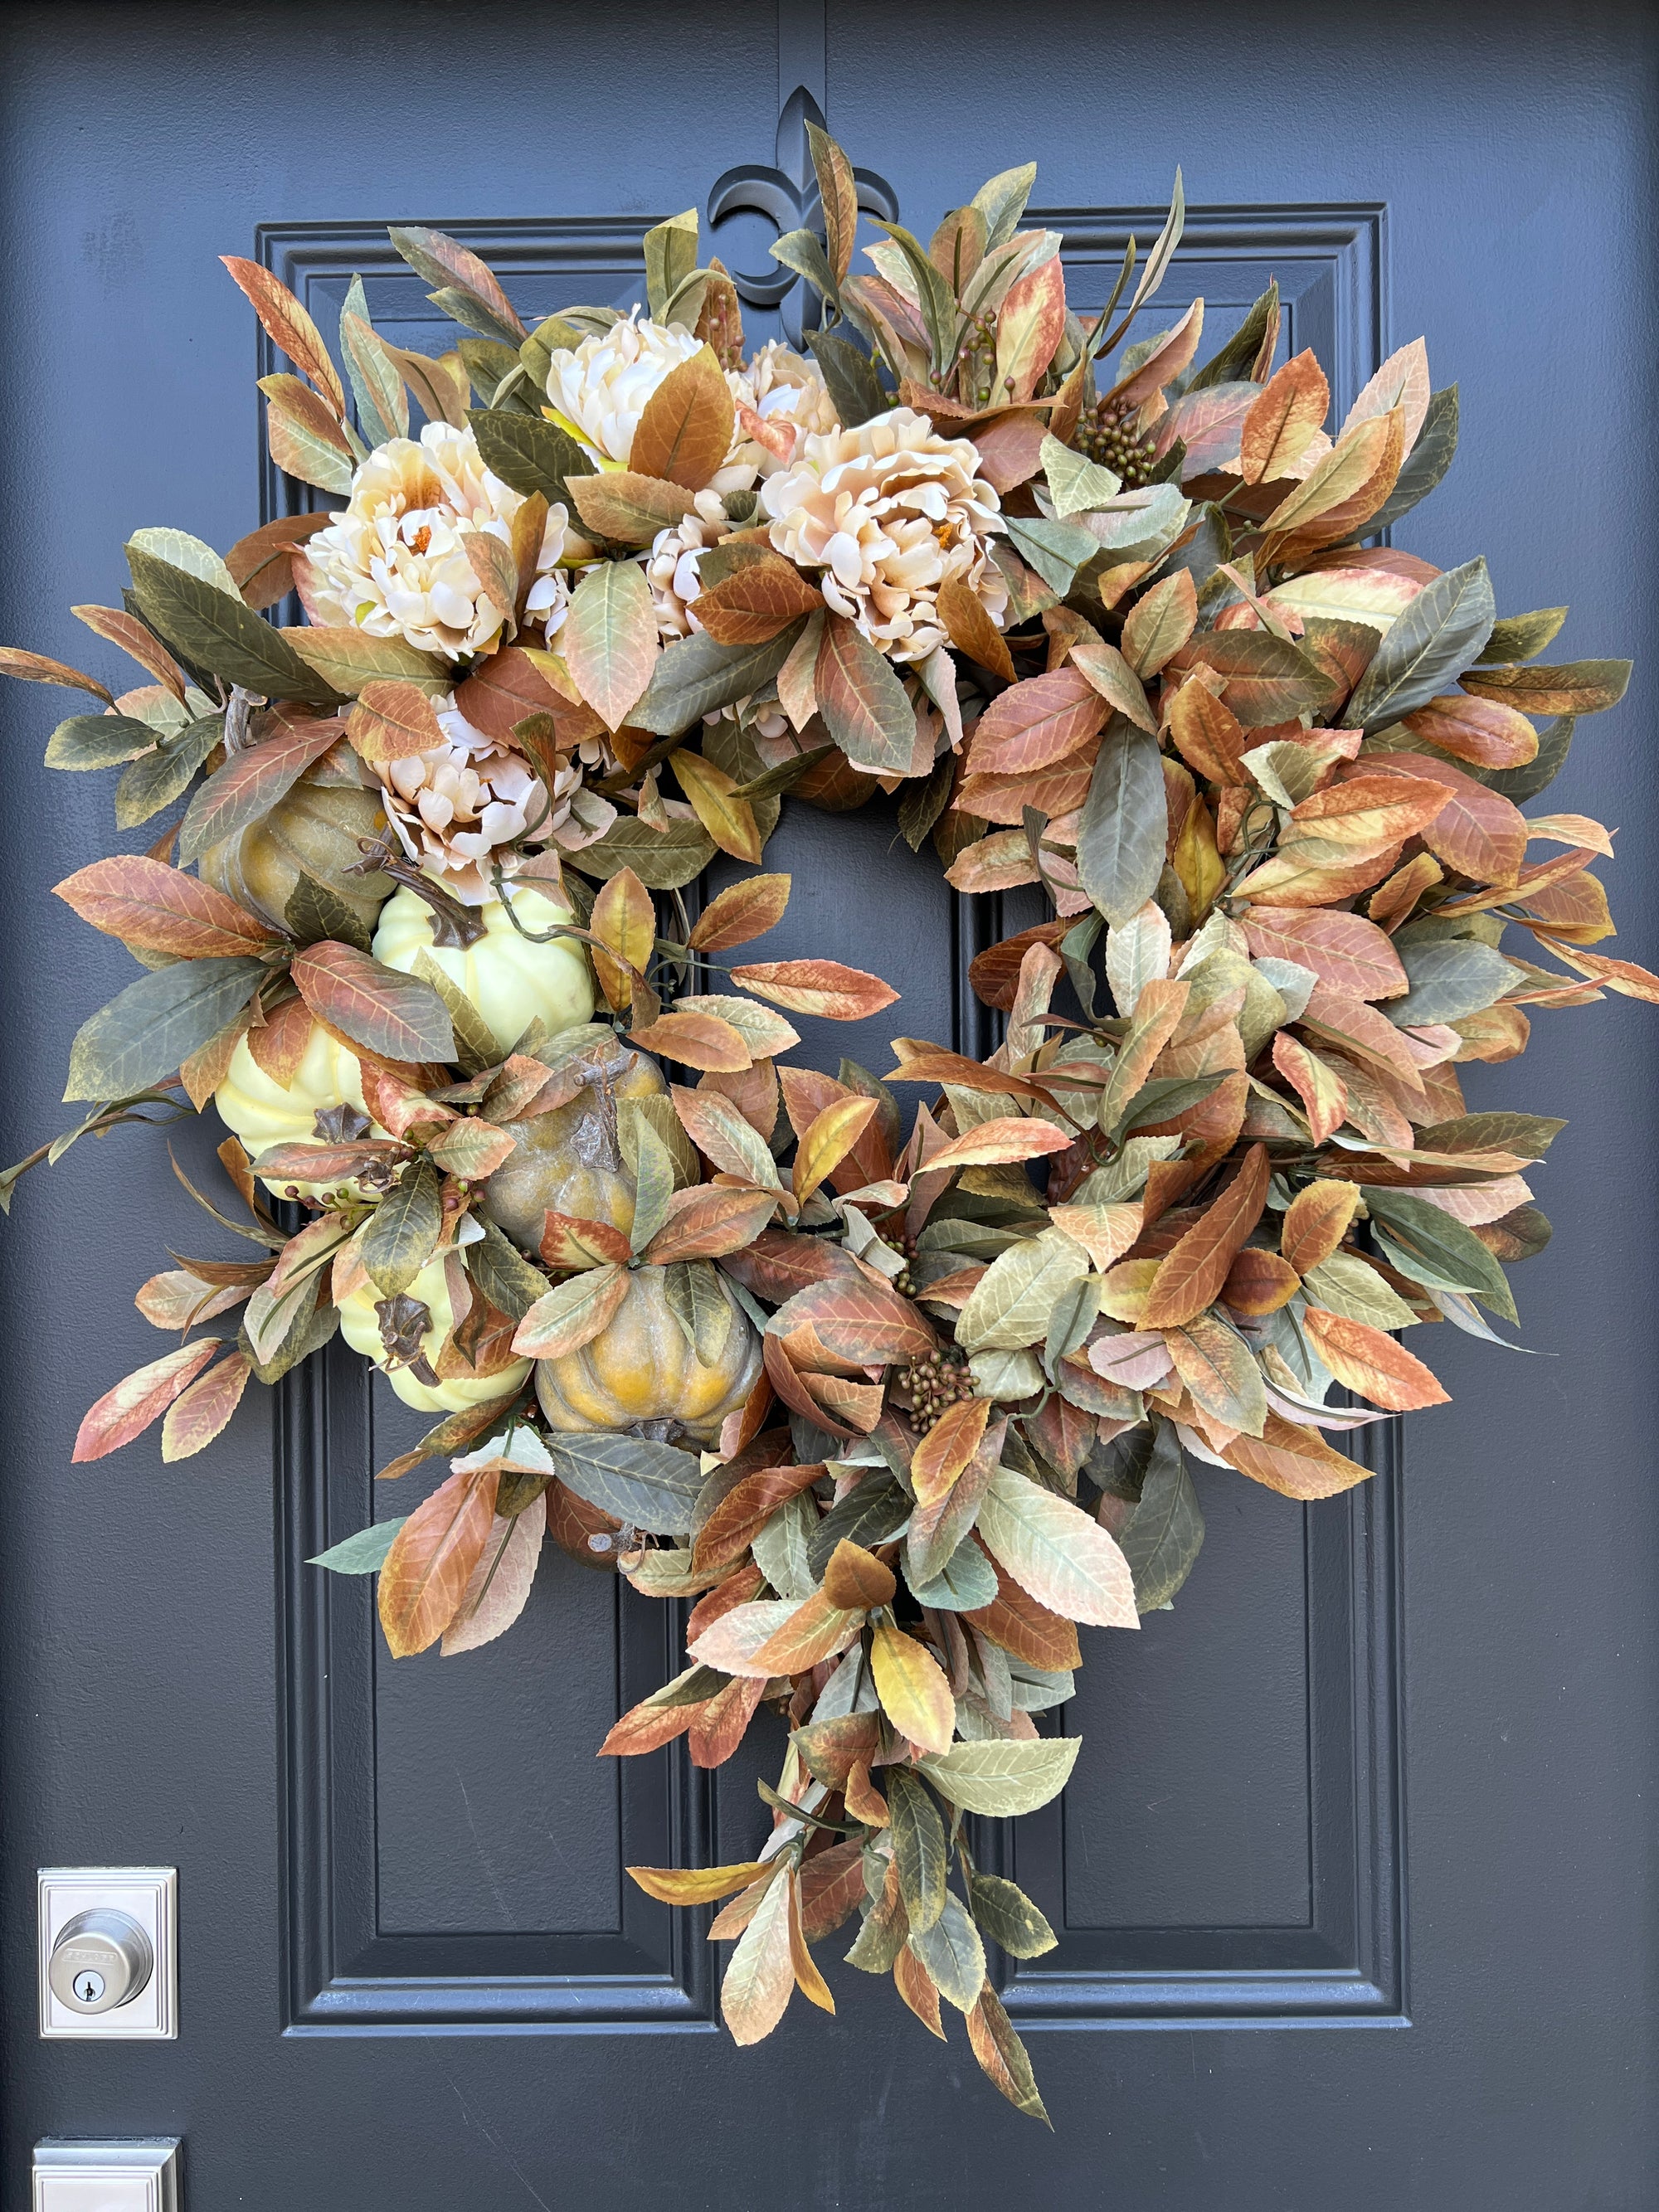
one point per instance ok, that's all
(1190, 1278)
(1363, 1359)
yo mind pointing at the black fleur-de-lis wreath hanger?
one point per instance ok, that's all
(787, 195)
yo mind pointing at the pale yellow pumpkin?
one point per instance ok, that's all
(263, 1112)
(510, 979)
(641, 1370)
(570, 1160)
(360, 1328)
(318, 828)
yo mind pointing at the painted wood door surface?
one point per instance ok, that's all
(1356, 1880)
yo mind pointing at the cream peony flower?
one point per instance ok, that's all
(887, 513)
(395, 562)
(787, 398)
(454, 806)
(671, 568)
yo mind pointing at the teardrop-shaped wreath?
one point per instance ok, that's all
(895, 1418)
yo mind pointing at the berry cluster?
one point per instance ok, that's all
(941, 1379)
(1107, 437)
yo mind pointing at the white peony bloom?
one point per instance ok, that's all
(454, 806)
(395, 562)
(601, 387)
(785, 398)
(886, 512)
(671, 568)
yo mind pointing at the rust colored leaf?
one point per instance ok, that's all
(1484, 732)
(817, 1630)
(146, 903)
(507, 689)
(1296, 1463)
(1002, 2056)
(946, 1451)
(720, 1726)
(1281, 424)
(857, 1319)
(1033, 724)
(829, 1140)
(262, 563)
(395, 1015)
(1475, 830)
(1363, 814)
(856, 1580)
(1316, 1222)
(432, 1558)
(1316, 1083)
(569, 1240)
(1260, 1282)
(198, 1413)
(919, 1990)
(744, 1510)
(708, 1221)
(823, 987)
(831, 1887)
(393, 720)
(289, 328)
(140, 1398)
(1016, 1621)
(685, 428)
(971, 630)
(778, 1263)
(1209, 736)
(741, 912)
(757, 601)
(1345, 950)
(700, 1041)
(1191, 1276)
(1341, 491)
(1363, 1358)
(695, 1885)
(36, 668)
(135, 638)
(648, 1727)
(1001, 1141)
(572, 1313)
(625, 921)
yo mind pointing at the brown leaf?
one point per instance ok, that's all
(1482, 731)
(831, 1887)
(1282, 423)
(569, 1240)
(741, 912)
(778, 1263)
(146, 903)
(395, 1015)
(1034, 724)
(857, 1319)
(289, 328)
(708, 1221)
(36, 668)
(1364, 1359)
(919, 1990)
(1260, 1282)
(1475, 830)
(135, 638)
(1003, 2057)
(684, 430)
(856, 1580)
(1296, 1463)
(1209, 736)
(720, 1726)
(249, 783)
(509, 688)
(1316, 1222)
(946, 1451)
(695, 1885)
(140, 1398)
(970, 629)
(393, 720)
(744, 1510)
(262, 563)
(432, 1556)
(1192, 1275)
(1345, 950)
(702, 1040)
(729, 820)
(1016, 1622)
(757, 601)
(823, 987)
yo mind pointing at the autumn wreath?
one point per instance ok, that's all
(895, 1411)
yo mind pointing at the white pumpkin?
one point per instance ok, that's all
(263, 1112)
(360, 1328)
(510, 979)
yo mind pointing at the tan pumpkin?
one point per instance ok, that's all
(263, 1112)
(511, 979)
(318, 828)
(361, 1328)
(641, 1372)
(570, 1159)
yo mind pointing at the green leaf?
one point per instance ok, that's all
(803, 251)
(475, 1041)
(503, 1275)
(650, 1485)
(1425, 465)
(871, 1515)
(1078, 484)
(663, 861)
(965, 1582)
(849, 377)
(1164, 1538)
(671, 255)
(1428, 1245)
(363, 1553)
(1008, 1916)
(403, 1235)
(1450, 980)
(156, 1023)
(1237, 357)
(181, 550)
(1438, 636)
(1124, 824)
(213, 629)
(314, 912)
(528, 453)
(382, 403)
(1345, 1284)
(1523, 637)
(864, 705)
(939, 312)
(1011, 1305)
(1000, 1778)
(1530, 1135)
(99, 741)
(1002, 200)
(920, 1849)
(156, 780)
(953, 1954)
(1055, 1550)
(694, 677)
(1057, 549)
(693, 1292)
(1525, 782)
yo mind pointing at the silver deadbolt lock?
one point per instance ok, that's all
(101, 1958)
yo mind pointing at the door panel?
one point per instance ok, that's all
(413, 1973)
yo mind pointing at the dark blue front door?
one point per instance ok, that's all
(1356, 1882)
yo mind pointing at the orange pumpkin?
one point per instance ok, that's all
(641, 1373)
